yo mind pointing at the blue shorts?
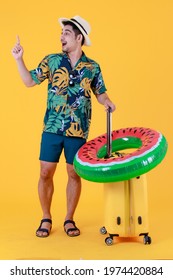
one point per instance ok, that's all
(52, 145)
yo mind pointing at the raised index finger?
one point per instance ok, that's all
(18, 40)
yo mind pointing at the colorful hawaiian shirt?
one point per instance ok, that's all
(69, 93)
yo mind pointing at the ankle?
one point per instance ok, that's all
(47, 216)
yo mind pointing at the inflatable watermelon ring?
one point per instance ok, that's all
(91, 163)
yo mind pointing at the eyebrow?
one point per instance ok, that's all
(67, 30)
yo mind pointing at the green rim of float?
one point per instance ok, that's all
(91, 164)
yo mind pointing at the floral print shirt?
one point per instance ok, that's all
(69, 93)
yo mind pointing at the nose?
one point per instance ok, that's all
(61, 37)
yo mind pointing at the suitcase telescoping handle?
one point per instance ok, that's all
(109, 130)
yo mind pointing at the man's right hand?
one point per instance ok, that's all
(17, 51)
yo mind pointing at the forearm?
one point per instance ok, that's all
(101, 98)
(24, 73)
(105, 100)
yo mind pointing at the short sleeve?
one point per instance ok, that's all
(40, 73)
(98, 85)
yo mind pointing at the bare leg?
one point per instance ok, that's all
(73, 192)
(45, 191)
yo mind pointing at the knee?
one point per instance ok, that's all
(72, 174)
(47, 170)
(45, 174)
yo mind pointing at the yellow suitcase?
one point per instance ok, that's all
(126, 209)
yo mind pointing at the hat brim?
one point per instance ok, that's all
(87, 41)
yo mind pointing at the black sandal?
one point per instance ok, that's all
(71, 229)
(44, 229)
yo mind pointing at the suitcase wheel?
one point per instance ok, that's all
(147, 239)
(108, 241)
(103, 230)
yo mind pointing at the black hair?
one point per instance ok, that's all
(75, 29)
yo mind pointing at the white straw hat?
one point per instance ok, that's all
(81, 24)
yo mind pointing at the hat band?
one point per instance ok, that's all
(79, 24)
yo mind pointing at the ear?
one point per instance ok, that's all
(79, 38)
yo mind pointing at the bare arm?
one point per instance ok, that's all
(25, 75)
(104, 100)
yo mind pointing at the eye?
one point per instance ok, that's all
(66, 33)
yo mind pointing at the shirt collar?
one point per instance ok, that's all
(82, 58)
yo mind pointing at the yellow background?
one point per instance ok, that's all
(133, 43)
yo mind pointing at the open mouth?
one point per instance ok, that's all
(64, 44)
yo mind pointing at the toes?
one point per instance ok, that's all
(43, 230)
(42, 233)
(70, 228)
(74, 232)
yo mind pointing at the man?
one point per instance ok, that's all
(72, 77)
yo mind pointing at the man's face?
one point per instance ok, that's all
(68, 39)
